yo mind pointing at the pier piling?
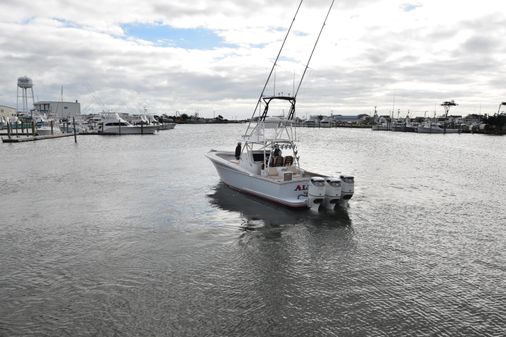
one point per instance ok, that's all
(74, 125)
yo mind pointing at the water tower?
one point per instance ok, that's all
(25, 91)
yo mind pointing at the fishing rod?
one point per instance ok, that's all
(314, 47)
(274, 65)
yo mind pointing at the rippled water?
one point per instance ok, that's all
(136, 236)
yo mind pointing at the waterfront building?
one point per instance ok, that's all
(58, 109)
(7, 111)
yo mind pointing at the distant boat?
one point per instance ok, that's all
(144, 119)
(45, 127)
(161, 126)
(435, 127)
(381, 127)
(381, 123)
(403, 125)
(113, 124)
(439, 126)
(68, 126)
(166, 126)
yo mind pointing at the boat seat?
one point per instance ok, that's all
(288, 161)
(276, 161)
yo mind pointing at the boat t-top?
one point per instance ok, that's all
(266, 160)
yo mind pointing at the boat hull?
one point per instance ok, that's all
(423, 129)
(166, 126)
(130, 130)
(46, 131)
(291, 193)
(380, 128)
(404, 129)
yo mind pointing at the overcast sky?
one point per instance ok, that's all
(213, 57)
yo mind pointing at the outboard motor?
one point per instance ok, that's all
(316, 192)
(332, 191)
(347, 187)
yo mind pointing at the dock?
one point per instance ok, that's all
(33, 138)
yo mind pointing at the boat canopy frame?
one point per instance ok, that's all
(283, 131)
(268, 99)
(284, 128)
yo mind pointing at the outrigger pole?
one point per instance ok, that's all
(314, 47)
(293, 99)
(274, 65)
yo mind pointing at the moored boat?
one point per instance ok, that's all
(435, 127)
(166, 126)
(441, 125)
(45, 127)
(381, 127)
(113, 124)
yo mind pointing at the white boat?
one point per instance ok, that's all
(166, 126)
(435, 127)
(439, 126)
(137, 119)
(280, 179)
(45, 127)
(259, 167)
(113, 124)
(161, 126)
(3, 122)
(144, 119)
(69, 126)
(381, 127)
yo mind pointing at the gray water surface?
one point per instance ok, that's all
(136, 236)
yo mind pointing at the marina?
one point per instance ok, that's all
(105, 124)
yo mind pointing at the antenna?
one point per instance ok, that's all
(312, 52)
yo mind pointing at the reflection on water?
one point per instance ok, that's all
(259, 213)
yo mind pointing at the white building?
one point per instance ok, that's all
(7, 111)
(58, 110)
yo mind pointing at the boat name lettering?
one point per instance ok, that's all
(301, 188)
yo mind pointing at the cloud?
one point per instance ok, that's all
(215, 56)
